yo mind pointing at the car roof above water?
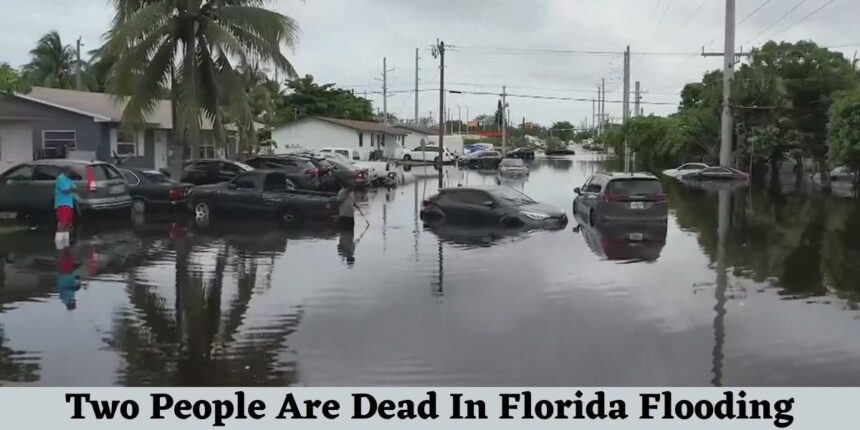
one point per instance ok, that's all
(626, 175)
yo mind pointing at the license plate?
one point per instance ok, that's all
(117, 189)
(637, 205)
(636, 237)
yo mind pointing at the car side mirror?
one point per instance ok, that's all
(489, 204)
(577, 190)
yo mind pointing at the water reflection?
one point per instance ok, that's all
(773, 300)
(624, 241)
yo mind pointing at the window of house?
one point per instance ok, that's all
(126, 143)
(56, 143)
(207, 146)
(360, 139)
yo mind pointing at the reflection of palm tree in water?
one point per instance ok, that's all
(200, 343)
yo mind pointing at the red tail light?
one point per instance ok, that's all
(660, 198)
(90, 177)
(312, 171)
(176, 194)
(611, 198)
(426, 203)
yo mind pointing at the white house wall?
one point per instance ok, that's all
(313, 134)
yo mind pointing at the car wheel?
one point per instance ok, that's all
(138, 206)
(407, 157)
(289, 217)
(202, 213)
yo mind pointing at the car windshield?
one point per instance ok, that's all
(510, 195)
(635, 187)
(512, 162)
(157, 177)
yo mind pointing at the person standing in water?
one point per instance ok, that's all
(64, 203)
(346, 209)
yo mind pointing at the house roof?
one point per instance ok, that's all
(100, 106)
(417, 129)
(372, 127)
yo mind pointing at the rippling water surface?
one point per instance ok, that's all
(744, 287)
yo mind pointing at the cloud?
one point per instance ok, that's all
(344, 41)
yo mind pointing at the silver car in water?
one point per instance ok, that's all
(621, 197)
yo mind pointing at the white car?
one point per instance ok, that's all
(428, 153)
(685, 169)
(346, 153)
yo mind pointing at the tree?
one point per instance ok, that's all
(186, 49)
(52, 63)
(843, 130)
(11, 80)
(307, 98)
(563, 130)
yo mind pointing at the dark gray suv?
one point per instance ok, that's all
(28, 188)
(621, 197)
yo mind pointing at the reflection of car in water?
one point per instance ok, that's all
(471, 235)
(624, 241)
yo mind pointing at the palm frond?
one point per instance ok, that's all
(149, 87)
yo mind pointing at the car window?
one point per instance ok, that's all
(595, 186)
(130, 177)
(512, 162)
(635, 187)
(201, 165)
(275, 182)
(716, 170)
(46, 173)
(470, 197)
(245, 182)
(691, 167)
(512, 196)
(232, 168)
(104, 172)
(23, 173)
(344, 153)
(157, 177)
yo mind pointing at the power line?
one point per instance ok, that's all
(804, 18)
(696, 12)
(533, 51)
(777, 21)
(660, 21)
(575, 99)
(765, 3)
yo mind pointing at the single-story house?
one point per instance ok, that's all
(417, 135)
(58, 123)
(360, 137)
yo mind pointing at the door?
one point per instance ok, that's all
(13, 187)
(591, 195)
(244, 193)
(472, 206)
(16, 144)
(160, 149)
(200, 173)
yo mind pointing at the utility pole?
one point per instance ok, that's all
(416, 85)
(467, 119)
(78, 71)
(728, 80)
(625, 114)
(459, 120)
(603, 118)
(730, 57)
(439, 50)
(593, 114)
(636, 109)
(504, 120)
(385, 71)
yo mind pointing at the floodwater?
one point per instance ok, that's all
(745, 287)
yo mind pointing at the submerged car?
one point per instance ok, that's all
(513, 167)
(212, 171)
(716, 174)
(522, 154)
(483, 159)
(493, 206)
(621, 196)
(685, 169)
(152, 190)
(28, 188)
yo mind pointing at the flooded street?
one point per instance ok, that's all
(744, 288)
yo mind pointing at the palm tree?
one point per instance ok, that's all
(52, 63)
(187, 48)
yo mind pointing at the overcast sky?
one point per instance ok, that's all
(344, 41)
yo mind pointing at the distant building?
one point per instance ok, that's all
(57, 123)
(360, 137)
(417, 135)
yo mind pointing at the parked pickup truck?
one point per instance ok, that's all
(261, 192)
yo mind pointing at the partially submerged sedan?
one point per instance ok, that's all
(491, 206)
(685, 169)
(513, 167)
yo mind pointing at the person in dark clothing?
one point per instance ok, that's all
(346, 208)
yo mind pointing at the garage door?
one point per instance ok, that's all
(16, 144)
